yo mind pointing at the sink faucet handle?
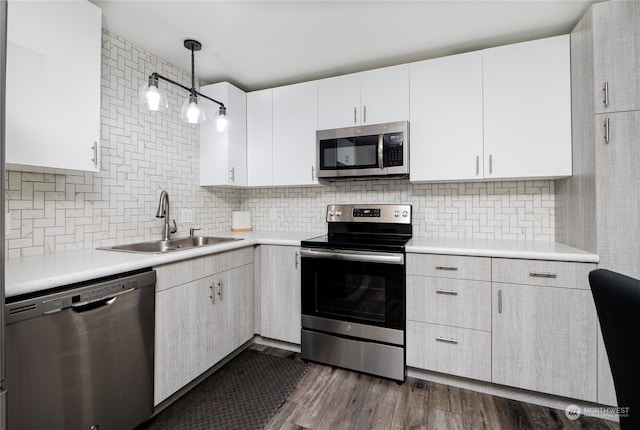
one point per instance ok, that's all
(192, 230)
(175, 227)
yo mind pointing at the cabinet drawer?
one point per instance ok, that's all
(541, 272)
(449, 266)
(453, 302)
(179, 273)
(450, 350)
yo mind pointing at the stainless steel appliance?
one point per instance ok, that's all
(3, 62)
(82, 357)
(353, 290)
(370, 150)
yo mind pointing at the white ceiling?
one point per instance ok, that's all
(261, 44)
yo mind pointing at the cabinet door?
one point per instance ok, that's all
(184, 346)
(617, 185)
(223, 154)
(260, 138)
(445, 94)
(617, 55)
(233, 325)
(280, 293)
(544, 339)
(54, 54)
(384, 95)
(295, 119)
(527, 109)
(339, 102)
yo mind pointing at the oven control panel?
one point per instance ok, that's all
(396, 214)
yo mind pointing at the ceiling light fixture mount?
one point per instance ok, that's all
(155, 99)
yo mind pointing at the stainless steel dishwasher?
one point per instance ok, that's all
(81, 358)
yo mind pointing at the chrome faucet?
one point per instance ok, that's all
(163, 212)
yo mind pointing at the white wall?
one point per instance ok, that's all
(144, 152)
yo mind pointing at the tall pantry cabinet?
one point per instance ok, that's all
(596, 208)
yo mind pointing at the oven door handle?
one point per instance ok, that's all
(378, 257)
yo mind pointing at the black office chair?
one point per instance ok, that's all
(617, 299)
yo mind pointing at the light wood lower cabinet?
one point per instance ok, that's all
(528, 324)
(544, 337)
(449, 314)
(280, 293)
(202, 320)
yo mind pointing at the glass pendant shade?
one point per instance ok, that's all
(221, 122)
(153, 97)
(191, 112)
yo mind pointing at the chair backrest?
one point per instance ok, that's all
(617, 300)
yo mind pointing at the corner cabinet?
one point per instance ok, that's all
(544, 327)
(280, 293)
(260, 138)
(204, 311)
(223, 154)
(295, 120)
(371, 97)
(54, 57)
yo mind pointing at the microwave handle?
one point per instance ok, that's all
(381, 151)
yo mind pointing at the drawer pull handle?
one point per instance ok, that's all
(447, 292)
(542, 275)
(447, 340)
(451, 268)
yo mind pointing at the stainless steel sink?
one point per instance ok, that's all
(160, 246)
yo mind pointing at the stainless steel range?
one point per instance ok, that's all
(353, 290)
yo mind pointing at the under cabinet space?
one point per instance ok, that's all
(452, 350)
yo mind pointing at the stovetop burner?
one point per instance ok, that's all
(365, 227)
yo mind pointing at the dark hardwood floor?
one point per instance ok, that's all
(330, 398)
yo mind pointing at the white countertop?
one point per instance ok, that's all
(43, 272)
(535, 250)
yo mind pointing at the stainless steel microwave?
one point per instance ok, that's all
(369, 150)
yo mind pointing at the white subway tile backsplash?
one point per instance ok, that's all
(144, 152)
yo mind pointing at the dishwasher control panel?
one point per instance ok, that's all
(93, 295)
(78, 298)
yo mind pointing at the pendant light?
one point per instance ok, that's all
(155, 99)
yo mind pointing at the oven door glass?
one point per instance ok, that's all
(363, 292)
(349, 153)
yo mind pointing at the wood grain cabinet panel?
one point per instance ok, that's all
(544, 339)
(280, 300)
(454, 302)
(541, 272)
(616, 39)
(170, 275)
(202, 317)
(449, 266)
(451, 350)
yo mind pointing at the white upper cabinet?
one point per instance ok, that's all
(260, 138)
(527, 109)
(372, 97)
(616, 56)
(295, 120)
(446, 119)
(54, 52)
(223, 155)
